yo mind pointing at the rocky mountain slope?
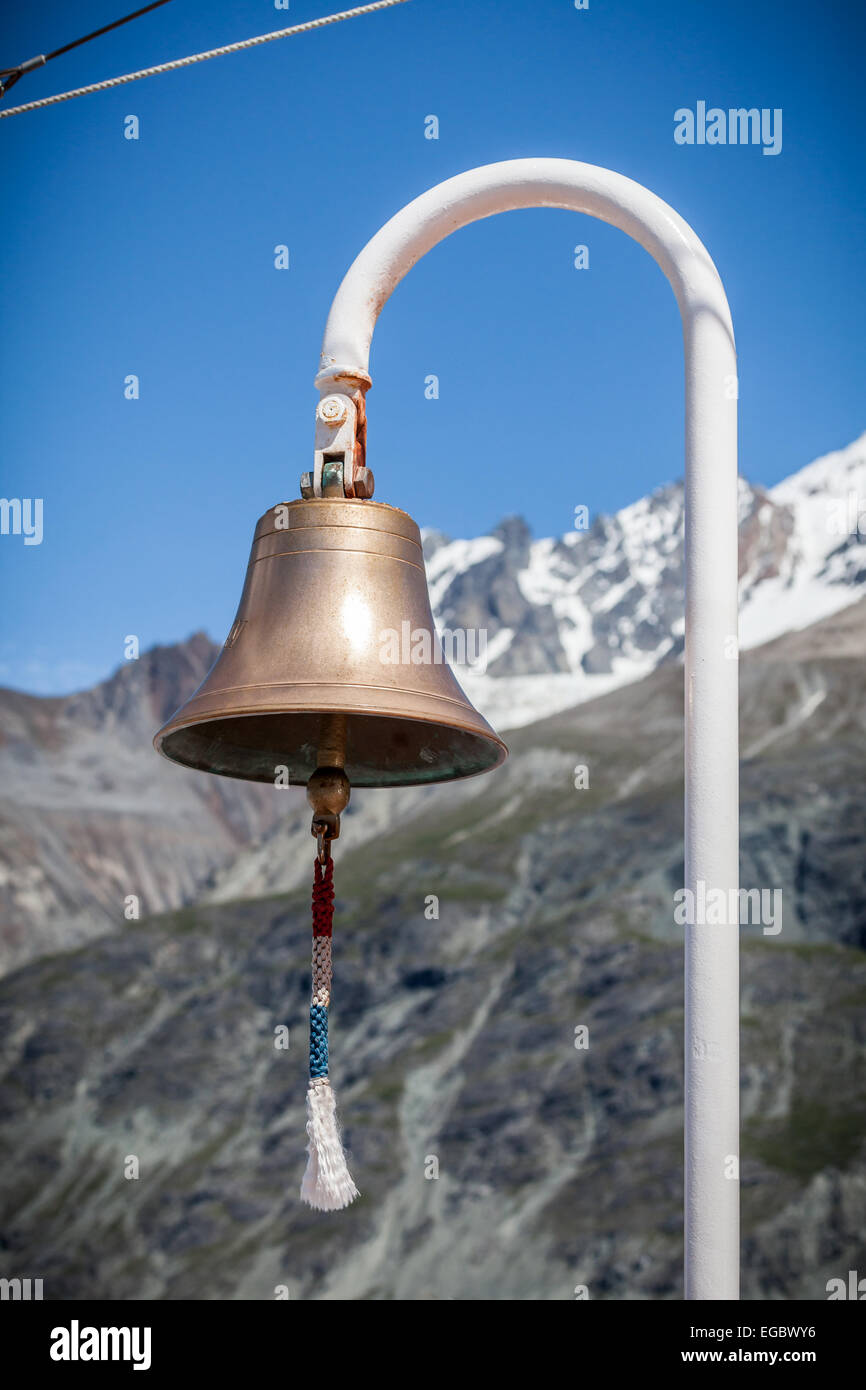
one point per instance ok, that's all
(89, 815)
(453, 1038)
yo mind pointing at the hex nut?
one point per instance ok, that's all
(364, 483)
(332, 410)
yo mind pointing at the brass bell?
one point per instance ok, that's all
(333, 661)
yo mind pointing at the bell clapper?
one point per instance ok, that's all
(328, 793)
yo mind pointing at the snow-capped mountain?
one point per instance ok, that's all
(571, 618)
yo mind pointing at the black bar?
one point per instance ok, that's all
(104, 30)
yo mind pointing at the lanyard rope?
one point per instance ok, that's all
(327, 1183)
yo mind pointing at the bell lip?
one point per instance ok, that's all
(173, 727)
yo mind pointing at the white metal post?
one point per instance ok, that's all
(711, 750)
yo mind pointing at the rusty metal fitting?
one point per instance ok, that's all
(341, 437)
(328, 792)
(364, 483)
(323, 843)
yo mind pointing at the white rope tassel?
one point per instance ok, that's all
(327, 1183)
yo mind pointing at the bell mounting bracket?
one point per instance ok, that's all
(711, 763)
(340, 449)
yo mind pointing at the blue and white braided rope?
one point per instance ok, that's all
(327, 1183)
(319, 1007)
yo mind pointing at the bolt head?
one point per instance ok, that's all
(332, 410)
(364, 483)
(306, 486)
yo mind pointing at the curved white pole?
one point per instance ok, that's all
(711, 751)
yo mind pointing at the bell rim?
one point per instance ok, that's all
(490, 737)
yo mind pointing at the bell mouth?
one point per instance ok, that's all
(381, 750)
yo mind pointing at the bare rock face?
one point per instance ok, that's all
(91, 818)
(766, 532)
(487, 594)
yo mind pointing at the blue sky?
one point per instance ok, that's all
(156, 257)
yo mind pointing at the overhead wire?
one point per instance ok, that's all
(9, 76)
(200, 57)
